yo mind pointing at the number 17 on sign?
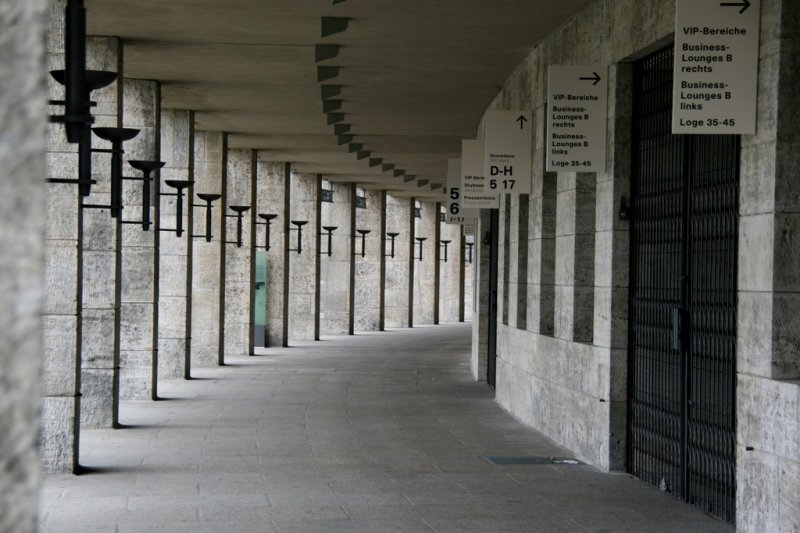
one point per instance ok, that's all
(509, 137)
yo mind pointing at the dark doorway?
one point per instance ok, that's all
(682, 345)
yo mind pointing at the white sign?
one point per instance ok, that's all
(716, 67)
(509, 145)
(472, 178)
(456, 214)
(577, 118)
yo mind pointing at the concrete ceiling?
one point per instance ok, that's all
(415, 75)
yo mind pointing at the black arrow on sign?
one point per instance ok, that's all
(596, 78)
(744, 5)
(522, 120)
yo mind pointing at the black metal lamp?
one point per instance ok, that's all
(392, 236)
(116, 136)
(240, 210)
(179, 186)
(146, 168)
(299, 229)
(267, 218)
(329, 231)
(363, 233)
(78, 84)
(469, 246)
(445, 243)
(94, 79)
(420, 240)
(208, 199)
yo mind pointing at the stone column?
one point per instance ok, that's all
(139, 283)
(302, 278)
(335, 268)
(480, 313)
(437, 263)
(236, 308)
(565, 256)
(397, 280)
(368, 272)
(450, 274)
(208, 171)
(425, 270)
(272, 180)
(23, 194)
(768, 309)
(469, 276)
(100, 269)
(177, 132)
(61, 307)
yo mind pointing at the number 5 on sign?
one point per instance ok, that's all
(509, 145)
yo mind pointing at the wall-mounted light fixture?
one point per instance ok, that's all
(94, 79)
(116, 136)
(363, 233)
(392, 236)
(445, 243)
(299, 229)
(329, 231)
(469, 246)
(240, 210)
(267, 218)
(420, 240)
(179, 186)
(208, 199)
(146, 168)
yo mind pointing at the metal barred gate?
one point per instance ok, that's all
(682, 345)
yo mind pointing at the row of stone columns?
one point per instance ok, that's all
(125, 307)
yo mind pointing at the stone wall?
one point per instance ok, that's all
(425, 270)
(22, 226)
(335, 268)
(272, 187)
(768, 344)
(237, 259)
(302, 272)
(209, 163)
(367, 279)
(100, 237)
(397, 279)
(450, 274)
(176, 137)
(138, 283)
(562, 338)
(61, 316)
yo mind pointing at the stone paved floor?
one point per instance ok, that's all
(377, 432)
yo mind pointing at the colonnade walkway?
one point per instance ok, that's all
(376, 432)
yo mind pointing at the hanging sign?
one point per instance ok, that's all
(577, 118)
(473, 178)
(508, 147)
(456, 213)
(716, 67)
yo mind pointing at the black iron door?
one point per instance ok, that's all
(682, 344)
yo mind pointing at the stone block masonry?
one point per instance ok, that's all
(397, 271)
(569, 359)
(335, 268)
(425, 270)
(176, 138)
(303, 283)
(23, 199)
(236, 300)
(272, 182)
(209, 154)
(367, 276)
(139, 283)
